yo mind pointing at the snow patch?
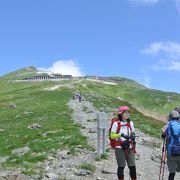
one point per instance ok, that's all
(101, 81)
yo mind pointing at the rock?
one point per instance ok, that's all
(90, 111)
(3, 159)
(18, 177)
(105, 171)
(99, 178)
(155, 158)
(137, 156)
(83, 172)
(52, 176)
(36, 176)
(150, 143)
(79, 146)
(92, 131)
(50, 158)
(2, 130)
(20, 151)
(35, 126)
(63, 154)
(12, 106)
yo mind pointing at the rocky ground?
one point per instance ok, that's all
(65, 166)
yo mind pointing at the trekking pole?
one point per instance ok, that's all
(162, 158)
(164, 148)
(162, 161)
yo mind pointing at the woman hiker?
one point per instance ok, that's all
(122, 139)
(171, 135)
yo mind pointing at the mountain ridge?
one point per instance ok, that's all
(133, 92)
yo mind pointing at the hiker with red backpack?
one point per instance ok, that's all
(171, 135)
(122, 139)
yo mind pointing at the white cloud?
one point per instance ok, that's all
(170, 49)
(177, 5)
(65, 67)
(169, 65)
(167, 52)
(154, 2)
(144, 2)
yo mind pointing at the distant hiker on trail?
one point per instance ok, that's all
(77, 96)
(122, 139)
(80, 98)
(171, 135)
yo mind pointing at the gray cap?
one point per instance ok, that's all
(177, 109)
(174, 114)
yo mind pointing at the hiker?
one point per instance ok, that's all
(79, 97)
(171, 135)
(122, 138)
(168, 119)
(177, 109)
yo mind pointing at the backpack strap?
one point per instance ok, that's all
(118, 122)
(118, 142)
(129, 125)
(119, 126)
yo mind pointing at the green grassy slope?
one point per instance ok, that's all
(50, 110)
(137, 95)
(35, 105)
(21, 73)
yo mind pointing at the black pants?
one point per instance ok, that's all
(171, 176)
(132, 169)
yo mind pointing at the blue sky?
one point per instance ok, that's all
(136, 39)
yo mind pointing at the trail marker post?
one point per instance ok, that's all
(102, 122)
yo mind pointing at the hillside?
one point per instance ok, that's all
(150, 102)
(37, 116)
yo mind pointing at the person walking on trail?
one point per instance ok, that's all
(79, 97)
(122, 139)
(171, 135)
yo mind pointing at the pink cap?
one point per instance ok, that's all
(121, 109)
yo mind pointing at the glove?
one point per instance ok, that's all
(125, 144)
(163, 136)
(133, 136)
(125, 136)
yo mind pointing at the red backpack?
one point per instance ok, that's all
(114, 142)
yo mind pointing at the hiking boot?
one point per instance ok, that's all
(122, 178)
